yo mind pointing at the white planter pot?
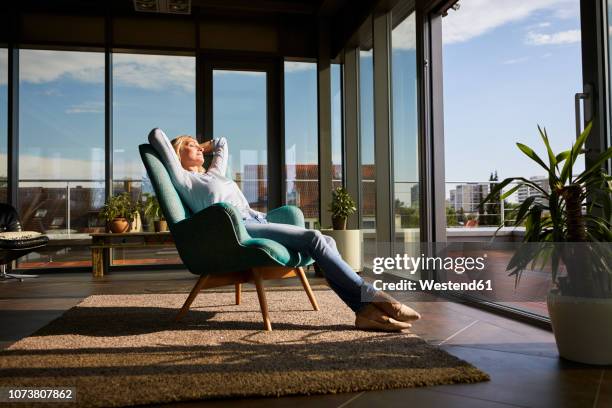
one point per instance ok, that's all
(582, 327)
(349, 246)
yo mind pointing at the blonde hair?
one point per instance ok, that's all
(177, 145)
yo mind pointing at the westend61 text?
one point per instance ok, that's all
(411, 263)
(405, 284)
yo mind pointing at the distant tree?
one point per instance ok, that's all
(409, 216)
(461, 216)
(451, 217)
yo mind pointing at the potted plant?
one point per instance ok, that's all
(119, 212)
(574, 242)
(348, 242)
(341, 207)
(152, 211)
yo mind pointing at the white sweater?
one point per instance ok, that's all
(200, 190)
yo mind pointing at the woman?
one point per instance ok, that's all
(200, 188)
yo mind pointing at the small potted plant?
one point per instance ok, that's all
(348, 241)
(152, 211)
(341, 207)
(119, 212)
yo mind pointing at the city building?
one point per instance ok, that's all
(525, 192)
(468, 196)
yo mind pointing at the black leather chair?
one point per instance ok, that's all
(15, 243)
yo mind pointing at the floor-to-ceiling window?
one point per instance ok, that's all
(405, 131)
(301, 139)
(240, 115)
(148, 91)
(507, 69)
(3, 124)
(336, 124)
(368, 168)
(61, 149)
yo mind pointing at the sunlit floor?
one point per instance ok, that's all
(522, 360)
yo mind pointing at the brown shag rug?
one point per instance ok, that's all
(120, 350)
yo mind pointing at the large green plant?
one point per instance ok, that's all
(119, 206)
(557, 230)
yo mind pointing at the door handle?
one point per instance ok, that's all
(586, 97)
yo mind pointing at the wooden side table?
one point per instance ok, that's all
(102, 243)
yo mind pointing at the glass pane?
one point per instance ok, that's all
(61, 151)
(608, 5)
(148, 91)
(501, 80)
(3, 124)
(368, 169)
(336, 130)
(240, 114)
(405, 128)
(301, 139)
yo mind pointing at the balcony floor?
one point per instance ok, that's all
(522, 360)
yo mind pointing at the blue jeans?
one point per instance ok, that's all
(349, 286)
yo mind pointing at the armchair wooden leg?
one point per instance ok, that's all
(313, 301)
(238, 290)
(263, 303)
(192, 295)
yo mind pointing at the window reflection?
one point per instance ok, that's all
(148, 91)
(405, 128)
(3, 124)
(336, 129)
(61, 149)
(240, 115)
(301, 139)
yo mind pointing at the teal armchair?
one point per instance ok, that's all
(214, 243)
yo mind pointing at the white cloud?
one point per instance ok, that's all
(295, 66)
(515, 61)
(404, 35)
(33, 166)
(42, 66)
(3, 66)
(222, 72)
(87, 107)
(477, 17)
(562, 37)
(152, 72)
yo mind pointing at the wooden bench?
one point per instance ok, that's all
(102, 243)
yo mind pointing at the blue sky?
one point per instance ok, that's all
(508, 66)
(502, 80)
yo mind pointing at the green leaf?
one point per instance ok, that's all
(552, 159)
(495, 191)
(562, 156)
(522, 211)
(597, 164)
(566, 172)
(509, 192)
(532, 155)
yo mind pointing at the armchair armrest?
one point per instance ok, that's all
(216, 229)
(287, 214)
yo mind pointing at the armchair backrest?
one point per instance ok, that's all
(170, 202)
(9, 219)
